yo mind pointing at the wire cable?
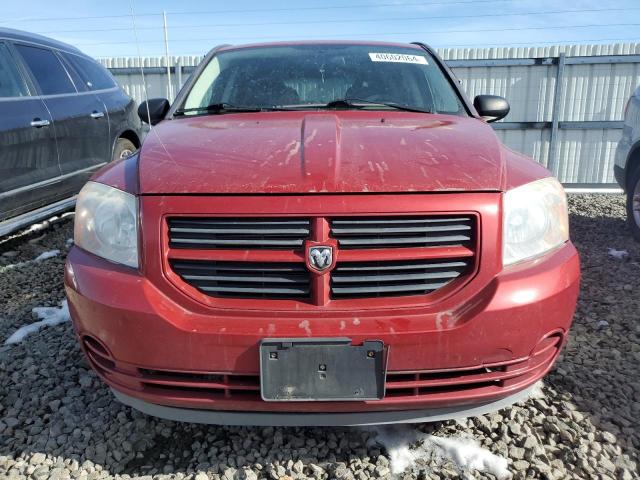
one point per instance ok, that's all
(352, 20)
(144, 83)
(368, 34)
(257, 10)
(381, 20)
(565, 43)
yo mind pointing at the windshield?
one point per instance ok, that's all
(313, 76)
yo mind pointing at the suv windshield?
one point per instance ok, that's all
(322, 77)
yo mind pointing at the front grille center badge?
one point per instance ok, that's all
(320, 257)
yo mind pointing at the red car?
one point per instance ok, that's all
(322, 234)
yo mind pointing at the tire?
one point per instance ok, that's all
(123, 148)
(633, 204)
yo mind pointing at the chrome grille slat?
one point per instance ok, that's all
(237, 242)
(421, 287)
(393, 278)
(258, 290)
(239, 223)
(381, 230)
(391, 220)
(239, 267)
(242, 231)
(256, 280)
(404, 240)
(403, 232)
(402, 266)
(247, 278)
(257, 233)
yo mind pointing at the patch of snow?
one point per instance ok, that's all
(619, 254)
(36, 227)
(68, 243)
(49, 316)
(467, 454)
(39, 258)
(407, 447)
(11, 266)
(462, 422)
(398, 442)
(45, 255)
(536, 390)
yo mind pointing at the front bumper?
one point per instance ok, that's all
(320, 419)
(156, 353)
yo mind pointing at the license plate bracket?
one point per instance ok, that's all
(321, 369)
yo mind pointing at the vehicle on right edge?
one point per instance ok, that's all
(627, 162)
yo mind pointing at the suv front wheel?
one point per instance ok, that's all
(123, 148)
(633, 203)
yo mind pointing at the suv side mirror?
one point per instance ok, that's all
(491, 107)
(154, 109)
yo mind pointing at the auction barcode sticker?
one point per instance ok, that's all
(397, 58)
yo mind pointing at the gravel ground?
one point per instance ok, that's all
(58, 421)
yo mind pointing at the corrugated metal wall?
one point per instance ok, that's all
(590, 92)
(127, 73)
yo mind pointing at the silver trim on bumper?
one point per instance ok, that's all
(213, 417)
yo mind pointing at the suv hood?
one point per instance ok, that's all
(321, 152)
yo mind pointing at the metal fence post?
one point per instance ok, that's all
(558, 98)
(166, 54)
(179, 73)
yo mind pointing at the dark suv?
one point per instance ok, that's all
(62, 116)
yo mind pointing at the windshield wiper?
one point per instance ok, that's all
(360, 103)
(220, 108)
(216, 108)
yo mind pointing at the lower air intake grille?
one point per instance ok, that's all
(224, 233)
(378, 279)
(402, 232)
(245, 279)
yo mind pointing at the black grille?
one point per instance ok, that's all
(402, 232)
(395, 278)
(245, 279)
(224, 233)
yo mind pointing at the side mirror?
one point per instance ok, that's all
(154, 109)
(491, 107)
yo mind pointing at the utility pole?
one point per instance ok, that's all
(166, 54)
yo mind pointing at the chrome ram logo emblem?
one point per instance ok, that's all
(320, 257)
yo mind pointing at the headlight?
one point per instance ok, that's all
(106, 223)
(535, 220)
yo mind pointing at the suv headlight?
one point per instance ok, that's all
(535, 220)
(106, 223)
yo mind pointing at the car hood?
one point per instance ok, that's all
(321, 152)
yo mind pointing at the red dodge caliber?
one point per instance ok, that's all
(322, 234)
